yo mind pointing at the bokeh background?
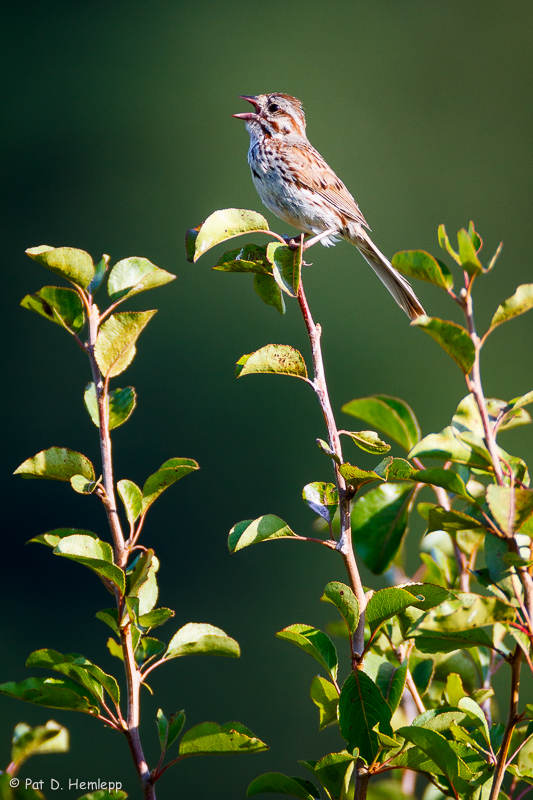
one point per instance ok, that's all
(116, 137)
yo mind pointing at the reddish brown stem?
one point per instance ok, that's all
(344, 545)
(475, 386)
(512, 719)
(133, 676)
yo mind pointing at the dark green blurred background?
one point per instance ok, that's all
(117, 136)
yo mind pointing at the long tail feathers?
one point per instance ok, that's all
(397, 285)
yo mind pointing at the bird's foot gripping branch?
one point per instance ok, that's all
(421, 654)
(126, 568)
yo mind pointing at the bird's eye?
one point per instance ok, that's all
(273, 107)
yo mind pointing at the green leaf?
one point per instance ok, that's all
(361, 708)
(468, 418)
(346, 602)
(465, 612)
(175, 725)
(53, 693)
(27, 741)
(82, 485)
(445, 244)
(446, 478)
(262, 529)
(390, 415)
(131, 496)
(334, 772)
(99, 273)
(142, 581)
(315, 643)
(389, 679)
(454, 339)
(475, 713)
(115, 649)
(133, 275)
(326, 449)
(94, 554)
(358, 477)
(148, 648)
(326, 697)
(468, 255)
(223, 225)
(422, 265)
(155, 618)
(447, 446)
(400, 469)
(74, 265)
(499, 572)
(7, 793)
(138, 573)
(57, 464)
(379, 523)
(387, 469)
(422, 674)
(524, 400)
(494, 258)
(440, 519)
(428, 595)
(120, 405)
(269, 292)
(190, 242)
(78, 668)
(51, 538)
(59, 305)
(477, 241)
(199, 638)
(456, 622)
(438, 749)
(368, 441)
(167, 474)
(115, 344)
(208, 738)
(454, 689)
(104, 794)
(169, 730)
(110, 617)
(286, 267)
(416, 760)
(520, 302)
(249, 258)
(276, 783)
(509, 507)
(279, 359)
(322, 498)
(385, 604)
(448, 641)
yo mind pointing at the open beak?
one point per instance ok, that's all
(249, 115)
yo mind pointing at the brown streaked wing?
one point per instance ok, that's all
(314, 173)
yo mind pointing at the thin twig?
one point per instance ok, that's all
(409, 682)
(344, 545)
(133, 677)
(512, 719)
(514, 755)
(476, 387)
(158, 774)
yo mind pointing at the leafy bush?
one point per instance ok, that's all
(127, 569)
(421, 654)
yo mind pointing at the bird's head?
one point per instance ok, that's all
(274, 114)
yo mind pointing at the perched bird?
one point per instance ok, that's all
(296, 184)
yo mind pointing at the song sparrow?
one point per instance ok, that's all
(297, 185)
